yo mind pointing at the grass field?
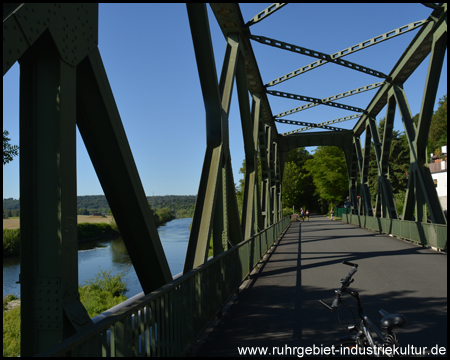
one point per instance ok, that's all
(15, 223)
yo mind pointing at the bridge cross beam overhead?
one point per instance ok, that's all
(64, 85)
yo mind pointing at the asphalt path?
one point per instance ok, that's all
(279, 307)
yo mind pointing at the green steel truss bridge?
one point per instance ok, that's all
(63, 84)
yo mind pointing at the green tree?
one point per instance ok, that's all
(398, 163)
(329, 172)
(438, 127)
(291, 187)
(240, 186)
(9, 151)
(298, 187)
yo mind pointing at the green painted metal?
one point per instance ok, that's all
(327, 99)
(265, 13)
(76, 91)
(421, 233)
(413, 56)
(206, 200)
(51, 308)
(216, 191)
(383, 180)
(191, 301)
(103, 134)
(317, 54)
(316, 101)
(309, 126)
(322, 125)
(365, 44)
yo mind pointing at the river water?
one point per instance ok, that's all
(112, 255)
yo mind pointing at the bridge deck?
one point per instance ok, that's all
(280, 305)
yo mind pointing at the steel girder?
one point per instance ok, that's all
(63, 84)
(432, 38)
(335, 57)
(216, 208)
(48, 255)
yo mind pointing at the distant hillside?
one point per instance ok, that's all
(11, 204)
(181, 205)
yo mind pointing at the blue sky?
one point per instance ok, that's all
(149, 59)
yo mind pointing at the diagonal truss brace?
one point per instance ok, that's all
(363, 45)
(317, 101)
(383, 178)
(346, 118)
(317, 54)
(265, 13)
(327, 100)
(216, 208)
(311, 125)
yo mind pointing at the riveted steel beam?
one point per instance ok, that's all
(309, 126)
(51, 309)
(74, 29)
(251, 208)
(265, 13)
(316, 101)
(438, 51)
(206, 200)
(229, 19)
(322, 125)
(362, 45)
(317, 54)
(330, 98)
(420, 188)
(226, 227)
(216, 207)
(342, 139)
(417, 51)
(100, 126)
(388, 197)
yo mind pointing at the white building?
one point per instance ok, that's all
(438, 168)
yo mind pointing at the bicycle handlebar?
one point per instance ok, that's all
(345, 282)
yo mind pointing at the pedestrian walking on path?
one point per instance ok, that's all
(303, 215)
(332, 214)
(307, 214)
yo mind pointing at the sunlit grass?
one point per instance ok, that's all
(97, 295)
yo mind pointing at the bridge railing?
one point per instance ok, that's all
(426, 234)
(168, 321)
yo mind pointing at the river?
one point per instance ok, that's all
(112, 254)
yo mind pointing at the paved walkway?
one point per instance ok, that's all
(280, 306)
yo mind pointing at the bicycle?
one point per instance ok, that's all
(362, 343)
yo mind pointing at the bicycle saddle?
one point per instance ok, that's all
(389, 321)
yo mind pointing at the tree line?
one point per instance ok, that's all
(181, 205)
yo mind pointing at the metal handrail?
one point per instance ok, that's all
(168, 321)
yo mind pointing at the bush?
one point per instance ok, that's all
(11, 333)
(97, 296)
(11, 242)
(7, 299)
(163, 215)
(89, 231)
(103, 292)
(11, 237)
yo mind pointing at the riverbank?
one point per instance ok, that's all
(86, 232)
(14, 223)
(90, 228)
(97, 295)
